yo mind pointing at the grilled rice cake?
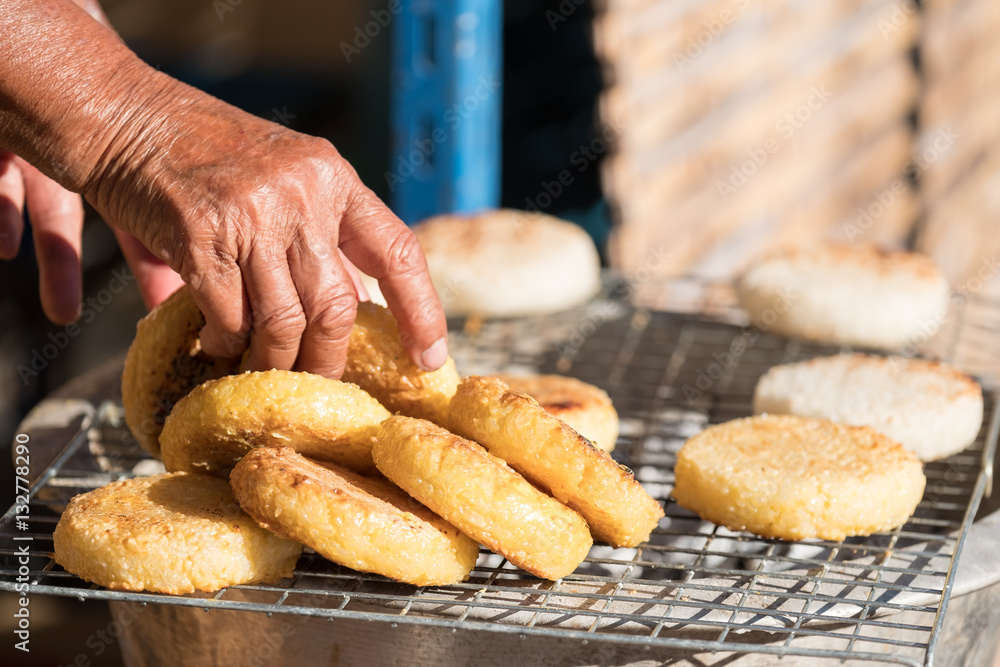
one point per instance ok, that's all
(554, 457)
(794, 478)
(170, 533)
(378, 363)
(215, 425)
(164, 363)
(480, 494)
(581, 406)
(365, 523)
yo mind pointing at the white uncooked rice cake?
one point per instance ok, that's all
(506, 263)
(930, 408)
(848, 295)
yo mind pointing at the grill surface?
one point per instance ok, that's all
(693, 586)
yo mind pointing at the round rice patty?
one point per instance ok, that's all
(163, 364)
(555, 458)
(171, 533)
(212, 428)
(508, 263)
(363, 523)
(378, 363)
(581, 406)
(794, 478)
(930, 408)
(851, 295)
(478, 493)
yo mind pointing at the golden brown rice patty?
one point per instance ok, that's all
(555, 458)
(478, 493)
(211, 428)
(363, 523)
(583, 407)
(163, 364)
(795, 477)
(170, 533)
(378, 363)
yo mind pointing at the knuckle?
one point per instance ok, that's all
(282, 328)
(428, 314)
(238, 326)
(334, 317)
(228, 323)
(220, 310)
(321, 146)
(405, 255)
(205, 258)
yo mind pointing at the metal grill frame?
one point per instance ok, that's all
(613, 343)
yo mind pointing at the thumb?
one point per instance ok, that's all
(156, 280)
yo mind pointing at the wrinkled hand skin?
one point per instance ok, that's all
(251, 215)
(57, 226)
(263, 222)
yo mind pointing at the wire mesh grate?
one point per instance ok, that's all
(694, 585)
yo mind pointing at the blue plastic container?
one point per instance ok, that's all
(446, 101)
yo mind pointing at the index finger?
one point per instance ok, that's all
(383, 247)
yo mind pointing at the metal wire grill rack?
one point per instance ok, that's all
(694, 585)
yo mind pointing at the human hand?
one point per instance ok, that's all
(155, 279)
(57, 225)
(264, 224)
(257, 218)
(57, 221)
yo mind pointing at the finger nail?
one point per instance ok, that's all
(434, 357)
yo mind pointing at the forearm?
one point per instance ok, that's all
(68, 88)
